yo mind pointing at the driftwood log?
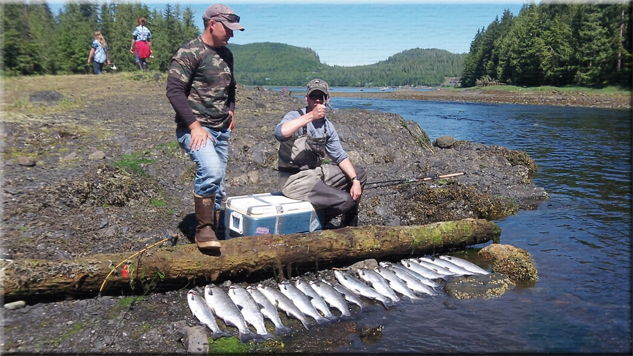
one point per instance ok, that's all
(184, 266)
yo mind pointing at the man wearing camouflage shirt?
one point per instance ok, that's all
(201, 89)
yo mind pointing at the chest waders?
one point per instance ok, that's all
(302, 152)
(305, 177)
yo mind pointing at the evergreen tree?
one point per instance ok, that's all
(77, 23)
(28, 39)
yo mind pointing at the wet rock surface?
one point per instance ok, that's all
(106, 176)
(478, 286)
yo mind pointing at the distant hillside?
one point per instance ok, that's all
(273, 63)
(280, 64)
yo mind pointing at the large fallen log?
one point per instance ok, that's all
(164, 268)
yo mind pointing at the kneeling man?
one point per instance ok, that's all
(306, 137)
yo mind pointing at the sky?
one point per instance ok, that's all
(350, 33)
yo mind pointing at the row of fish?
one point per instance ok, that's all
(241, 307)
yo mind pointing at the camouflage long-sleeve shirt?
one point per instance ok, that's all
(201, 86)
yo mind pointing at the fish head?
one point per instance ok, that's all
(385, 264)
(284, 284)
(209, 289)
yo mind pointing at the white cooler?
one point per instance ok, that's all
(261, 214)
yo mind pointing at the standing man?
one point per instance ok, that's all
(306, 136)
(201, 88)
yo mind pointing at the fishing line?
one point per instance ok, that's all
(127, 259)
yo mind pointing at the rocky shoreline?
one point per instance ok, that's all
(551, 98)
(94, 168)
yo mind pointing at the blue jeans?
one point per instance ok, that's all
(98, 67)
(211, 161)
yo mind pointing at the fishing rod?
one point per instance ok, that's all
(386, 183)
(173, 240)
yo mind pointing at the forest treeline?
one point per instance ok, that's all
(36, 41)
(578, 43)
(583, 44)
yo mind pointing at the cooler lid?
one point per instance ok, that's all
(267, 205)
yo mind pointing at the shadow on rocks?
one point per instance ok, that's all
(188, 227)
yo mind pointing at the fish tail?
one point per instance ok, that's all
(305, 323)
(219, 334)
(267, 336)
(281, 330)
(247, 336)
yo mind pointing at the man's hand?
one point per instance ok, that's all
(318, 112)
(356, 189)
(232, 124)
(199, 136)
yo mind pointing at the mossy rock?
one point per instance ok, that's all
(510, 260)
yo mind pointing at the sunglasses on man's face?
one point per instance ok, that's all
(231, 18)
(317, 97)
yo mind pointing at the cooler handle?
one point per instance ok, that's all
(236, 222)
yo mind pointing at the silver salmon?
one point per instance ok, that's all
(222, 306)
(465, 264)
(315, 298)
(301, 301)
(361, 288)
(415, 283)
(378, 282)
(331, 296)
(202, 312)
(423, 271)
(250, 310)
(399, 267)
(395, 282)
(268, 310)
(448, 265)
(278, 299)
(348, 295)
(429, 266)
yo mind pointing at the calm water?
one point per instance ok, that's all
(580, 239)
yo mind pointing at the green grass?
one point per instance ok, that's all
(228, 345)
(127, 301)
(133, 162)
(169, 145)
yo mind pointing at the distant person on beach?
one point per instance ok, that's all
(201, 89)
(141, 43)
(306, 136)
(99, 51)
